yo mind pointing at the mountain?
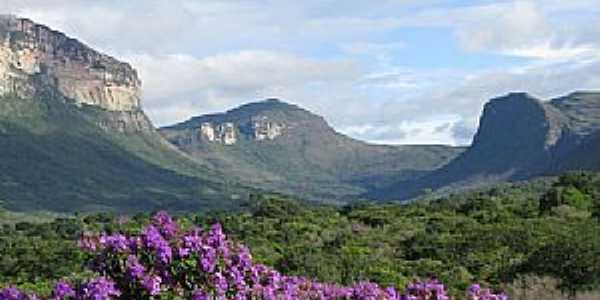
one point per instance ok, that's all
(519, 137)
(73, 135)
(282, 147)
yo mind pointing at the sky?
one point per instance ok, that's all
(386, 71)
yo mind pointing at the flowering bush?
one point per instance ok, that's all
(475, 292)
(165, 261)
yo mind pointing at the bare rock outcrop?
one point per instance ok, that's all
(519, 137)
(33, 57)
(265, 129)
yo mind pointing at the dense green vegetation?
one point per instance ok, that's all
(494, 236)
(499, 236)
(56, 158)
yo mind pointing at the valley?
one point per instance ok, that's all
(268, 200)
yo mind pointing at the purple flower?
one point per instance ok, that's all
(474, 289)
(475, 292)
(135, 243)
(366, 290)
(200, 295)
(430, 289)
(11, 293)
(216, 237)
(190, 242)
(208, 260)
(243, 258)
(100, 288)
(154, 240)
(62, 290)
(220, 284)
(88, 243)
(391, 293)
(502, 296)
(117, 242)
(167, 226)
(134, 268)
(151, 284)
(209, 266)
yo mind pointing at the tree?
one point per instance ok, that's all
(569, 195)
(573, 257)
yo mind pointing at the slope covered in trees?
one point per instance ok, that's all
(517, 238)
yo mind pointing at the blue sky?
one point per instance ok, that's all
(388, 71)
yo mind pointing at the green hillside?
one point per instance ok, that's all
(309, 159)
(55, 157)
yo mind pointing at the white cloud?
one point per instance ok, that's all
(502, 27)
(183, 85)
(408, 132)
(532, 29)
(547, 80)
(197, 57)
(546, 51)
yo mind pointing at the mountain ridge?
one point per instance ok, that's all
(294, 150)
(72, 118)
(75, 137)
(519, 137)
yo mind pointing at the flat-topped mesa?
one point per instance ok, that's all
(30, 52)
(518, 119)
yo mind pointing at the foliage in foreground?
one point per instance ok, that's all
(167, 261)
(494, 236)
(497, 237)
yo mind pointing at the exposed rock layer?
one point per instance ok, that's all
(73, 136)
(30, 53)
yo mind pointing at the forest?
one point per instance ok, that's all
(532, 240)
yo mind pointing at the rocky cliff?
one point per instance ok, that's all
(517, 135)
(36, 60)
(31, 51)
(228, 133)
(520, 137)
(73, 136)
(256, 122)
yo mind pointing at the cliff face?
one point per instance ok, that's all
(34, 57)
(517, 133)
(580, 144)
(532, 137)
(225, 133)
(73, 136)
(258, 122)
(520, 137)
(229, 133)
